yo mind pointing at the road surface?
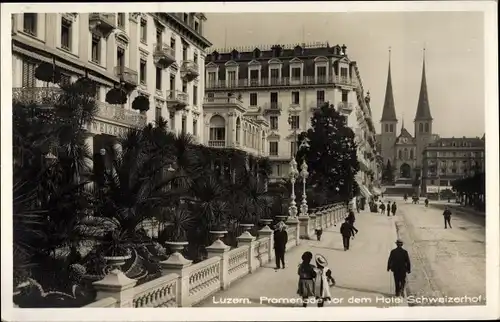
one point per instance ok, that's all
(446, 262)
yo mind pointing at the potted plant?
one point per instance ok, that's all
(48, 72)
(86, 86)
(116, 252)
(141, 103)
(116, 95)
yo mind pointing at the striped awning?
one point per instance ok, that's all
(364, 191)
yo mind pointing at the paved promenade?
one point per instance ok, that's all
(360, 273)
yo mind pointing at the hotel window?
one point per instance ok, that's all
(320, 98)
(195, 57)
(186, 17)
(172, 43)
(231, 79)
(142, 71)
(157, 113)
(158, 78)
(295, 122)
(296, 73)
(273, 121)
(183, 125)
(273, 148)
(184, 87)
(120, 58)
(321, 74)
(121, 20)
(28, 71)
(345, 96)
(172, 85)
(195, 127)
(295, 98)
(253, 99)
(195, 95)
(159, 37)
(65, 80)
(66, 34)
(254, 77)
(275, 74)
(197, 26)
(343, 72)
(144, 30)
(184, 52)
(29, 23)
(217, 133)
(96, 49)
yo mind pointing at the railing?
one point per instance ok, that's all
(204, 279)
(222, 100)
(164, 49)
(345, 107)
(217, 143)
(238, 263)
(126, 74)
(119, 114)
(160, 292)
(189, 284)
(270, 106)
(283, 81)
(179, 96)
(316, 104)
(189, 65)
(109, 18)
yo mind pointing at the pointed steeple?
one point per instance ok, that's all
(389, 110)
(423, 109)
(402, 122)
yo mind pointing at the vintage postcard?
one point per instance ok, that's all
(250, 161)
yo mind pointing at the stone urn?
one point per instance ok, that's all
(176, 258)
(115, 262)
(246, 233)
(281, 218)
(176, 246)
(218, 234)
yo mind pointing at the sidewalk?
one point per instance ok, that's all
(360, 273)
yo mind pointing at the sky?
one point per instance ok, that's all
(454, 55)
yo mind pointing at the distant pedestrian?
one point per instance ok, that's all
(382, 207)
(399, 264)
(358, 204)
(351, 217)
(280, 240)
(307, 274)
(405, 198)
(388, 208)
(347, 231)
(447, 217)
(394, 208)
(323, 281)
(426, 202)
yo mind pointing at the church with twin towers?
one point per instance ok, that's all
(397, 146)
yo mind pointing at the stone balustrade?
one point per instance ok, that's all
(184, 284)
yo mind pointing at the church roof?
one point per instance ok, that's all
(389, 110)
(405, 135)
(423, 109)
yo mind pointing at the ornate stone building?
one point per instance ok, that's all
(404, 150)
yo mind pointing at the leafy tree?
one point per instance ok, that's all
(387, 174)
(332, 153)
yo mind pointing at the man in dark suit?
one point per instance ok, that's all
(447, 217)
(280, 240)
(399, 264)
(388, 208)
(347, 230)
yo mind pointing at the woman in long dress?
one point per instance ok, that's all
(324, 281)
(307, 274)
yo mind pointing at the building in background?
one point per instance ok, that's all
(157, 55)
(277, 89)
(449, 159)
(404, 151)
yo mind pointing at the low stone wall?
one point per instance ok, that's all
(184, 284)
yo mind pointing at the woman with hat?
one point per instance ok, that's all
(323, 281)
(307, 274)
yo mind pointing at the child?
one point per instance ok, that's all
(324, 280)
(307, 274)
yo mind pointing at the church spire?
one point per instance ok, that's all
(389, 110)
(423, 109)
(402, 122)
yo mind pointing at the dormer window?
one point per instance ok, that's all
(256, 53)
(235, 54)
(215, 56)
(298, 51)
(277, 50)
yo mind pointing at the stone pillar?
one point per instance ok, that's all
(177, 264)
(312, 224)
(267, 232)
(294, 222)
(118, 286)
(246, 239)
(304, 227)
(218, 248)
(231, 129)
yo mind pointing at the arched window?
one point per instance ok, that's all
(217, 136)
(411, 154)
(238, 130)
(426, 127)
(387, 128)
(420, 127)
(400, 155)
(406, 154)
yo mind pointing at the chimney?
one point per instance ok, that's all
(344, 50)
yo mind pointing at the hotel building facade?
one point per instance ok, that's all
(267, 95)
(448, 159)
(157, 55)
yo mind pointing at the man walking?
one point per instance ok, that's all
(388, 208)
(394, 208)
(280, 240)
(399, 264)
(382, 207)
(347, 230)
(447, 217)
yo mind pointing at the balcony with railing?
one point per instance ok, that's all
(118, 114)
(105, 23)
(272, 108)
(127, 76)
(211, 102)
(189, 70)
(177, 99)
(217, 143)
(345, 108)
(315, 105)
(271, 82)
(163, 55)
(40, 96)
